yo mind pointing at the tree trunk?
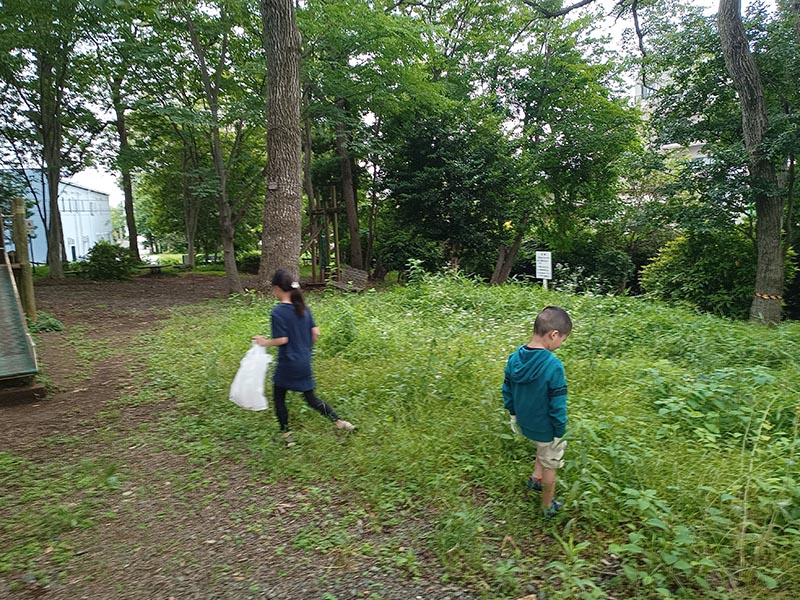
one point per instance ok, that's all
(124, 149)
(373, 217)
(307, 159)
(283, 209)
(498, 265)
(766, 306)
(225, 215)
(308, 183)
(51, 128)
(348, 193)
(191, 210)
(226, 227)
(505, 259)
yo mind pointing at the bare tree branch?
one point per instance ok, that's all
(637, 28)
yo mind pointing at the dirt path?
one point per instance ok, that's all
(174, 529)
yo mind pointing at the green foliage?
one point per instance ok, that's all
(451, 181)
(45, 322)
(249, 262)
(680, 477)
(714, 271)
(107, 261)
(695, 101)
(592, 265)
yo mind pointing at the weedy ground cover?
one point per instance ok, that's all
(681, 480)
(42, 501)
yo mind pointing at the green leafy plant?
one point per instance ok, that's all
(712, 270)
(45, 322)
(249, 262)
(107, 261)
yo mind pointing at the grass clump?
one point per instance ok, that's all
(681, 477)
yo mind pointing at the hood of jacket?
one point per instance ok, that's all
(527, 364)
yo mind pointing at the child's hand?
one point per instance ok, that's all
(260, 340)
(514, 427)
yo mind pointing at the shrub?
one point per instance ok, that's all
(595, 267)
(45, 322)
(590, 266)
(249, 262)
(107, 261)
(713, 271)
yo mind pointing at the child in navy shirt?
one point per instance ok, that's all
(294, 332)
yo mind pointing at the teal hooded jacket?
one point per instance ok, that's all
(535, 390)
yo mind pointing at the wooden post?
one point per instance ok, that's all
(336, 258)
(19, 233)
(311, 217)
(324, 241)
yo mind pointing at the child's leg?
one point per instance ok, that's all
(537, 469)
(279, 400)
(549, 457)
(548, 486)
(320, 405)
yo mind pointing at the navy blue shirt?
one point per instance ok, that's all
(293, 370)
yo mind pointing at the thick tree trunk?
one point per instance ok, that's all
(283, 208)
(766, 306)
(348, 193)
(228, 250)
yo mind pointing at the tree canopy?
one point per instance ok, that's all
(466, 134)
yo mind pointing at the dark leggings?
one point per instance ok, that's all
(279, 398)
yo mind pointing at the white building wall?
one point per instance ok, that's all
(85, 219)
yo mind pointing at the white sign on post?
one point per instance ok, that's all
(544, 265)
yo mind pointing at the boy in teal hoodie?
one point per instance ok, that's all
(535, 395)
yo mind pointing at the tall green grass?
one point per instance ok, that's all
(681, 478)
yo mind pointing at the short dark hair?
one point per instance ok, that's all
(552, 318)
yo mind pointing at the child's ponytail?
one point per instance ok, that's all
(284, 280)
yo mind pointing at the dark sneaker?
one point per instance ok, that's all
(551, 510)
(533, 484)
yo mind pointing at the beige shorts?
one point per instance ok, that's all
(551, 454)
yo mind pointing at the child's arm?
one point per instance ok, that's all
(508, 399)
(557, 390)
(314, 335)
(262, 341)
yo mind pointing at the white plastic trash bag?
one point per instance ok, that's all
(247, 389)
